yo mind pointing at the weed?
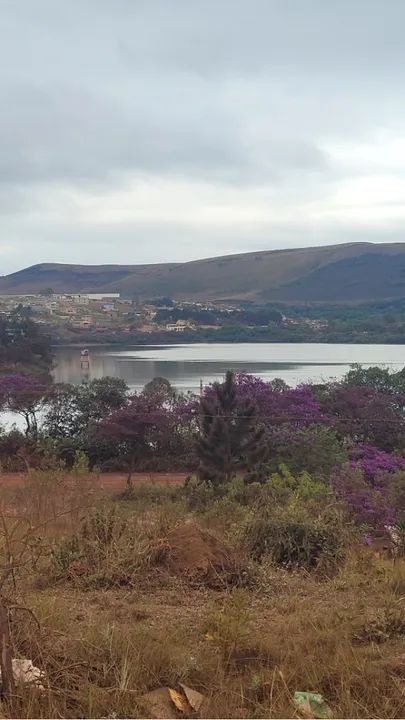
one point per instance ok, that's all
(229, 629)
(381, 624)
(397, 579)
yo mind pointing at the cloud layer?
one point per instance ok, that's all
(147, 130)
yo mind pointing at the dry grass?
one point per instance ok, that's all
(246, 650)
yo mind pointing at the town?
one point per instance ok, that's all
(102, 317)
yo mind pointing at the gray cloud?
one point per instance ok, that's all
(136, 130)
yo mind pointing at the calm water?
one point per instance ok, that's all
(186, 365)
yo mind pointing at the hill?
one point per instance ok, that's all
(352, 272)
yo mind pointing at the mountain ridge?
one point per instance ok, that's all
(350, 272)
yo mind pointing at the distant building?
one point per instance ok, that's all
(173, 327)
(103, 296)
(84, 298)
(180, 326)
(83, 324)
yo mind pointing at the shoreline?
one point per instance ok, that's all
(121, 345)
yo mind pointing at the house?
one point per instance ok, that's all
(84, 324)
(173, 327)
(180, 326)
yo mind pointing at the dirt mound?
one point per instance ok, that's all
(195, 554)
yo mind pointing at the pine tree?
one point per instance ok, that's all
(230, 440)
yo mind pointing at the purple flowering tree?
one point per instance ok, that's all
(374, 462)
(368, 505)
(137, 430)
(365, 415)
(371, 484)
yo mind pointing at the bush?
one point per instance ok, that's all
(227, 516)
(199, 493)
(315, 449)
(103, 552)
(244, 492)
(293, 537)
(283, 488)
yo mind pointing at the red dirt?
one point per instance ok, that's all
(110, 482)
(192, 552)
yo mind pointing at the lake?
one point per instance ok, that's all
(185, 366)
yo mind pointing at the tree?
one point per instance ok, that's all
(73, 408)
(160, 386)
(47, 292)
(230, 440)
(24, 395)
(366, 415)
(380, 379)
(136, 429)
(315, 449)
(23, 344)
(73, 412)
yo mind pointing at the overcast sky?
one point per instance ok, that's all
(157, 130)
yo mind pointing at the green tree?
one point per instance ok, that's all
(381, 379)
(72, 409)
(230, 440)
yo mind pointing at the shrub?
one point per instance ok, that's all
(227, 516)
(284, 488)
(103, 548)
(315, 449)
(377, 626)
(293, 537)
(245, 493)
(199, 493)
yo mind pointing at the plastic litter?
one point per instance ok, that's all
(179, 700)
(194, 698)
(166, 702)
(312, 705)
(26, 673)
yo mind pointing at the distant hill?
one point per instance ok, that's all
(352, 272)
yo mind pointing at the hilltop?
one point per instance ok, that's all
(351, 272)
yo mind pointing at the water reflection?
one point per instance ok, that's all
(186, 365)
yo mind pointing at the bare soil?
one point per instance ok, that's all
(191, 552)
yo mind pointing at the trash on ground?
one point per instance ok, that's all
(312, 705)
(166, 702)
(195, 699)
(26, 673)
(179, 700)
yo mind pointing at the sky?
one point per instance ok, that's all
(137, 131)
